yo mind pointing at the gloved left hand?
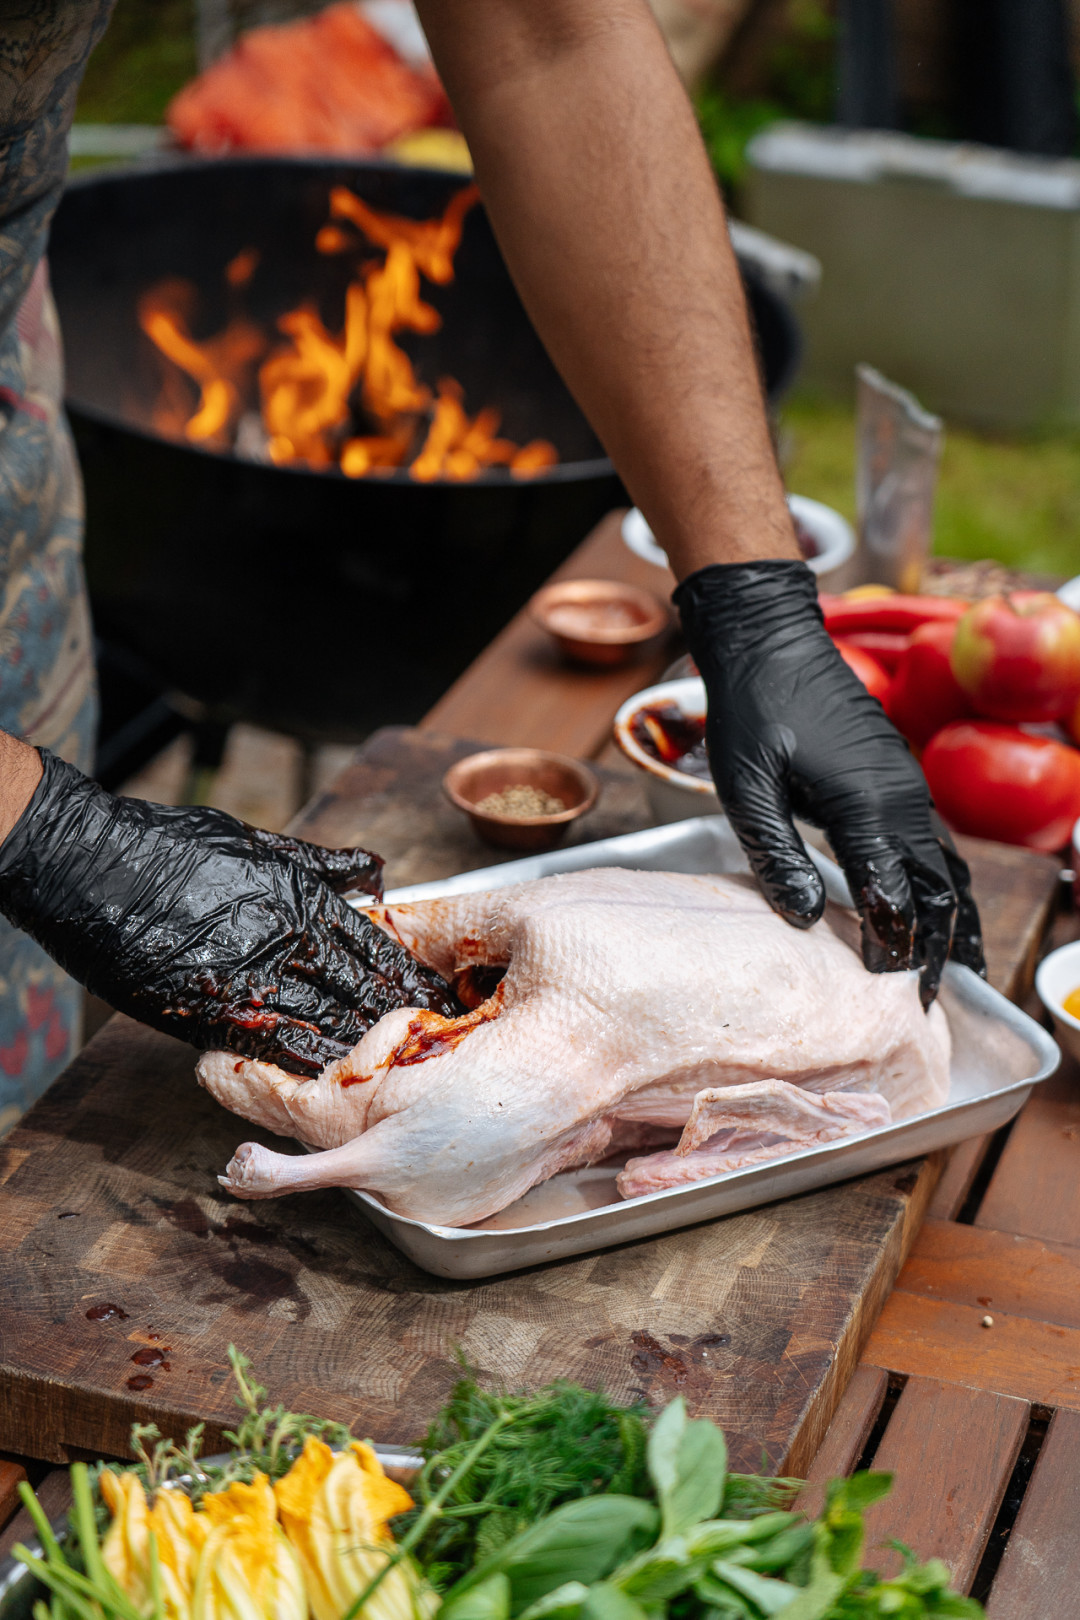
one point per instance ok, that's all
(206, 928)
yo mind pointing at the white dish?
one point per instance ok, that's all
(998, 1055)
(1069, 593)
(673, 795)
(1057, 976)
(833, 533)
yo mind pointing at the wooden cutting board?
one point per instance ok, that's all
(108, 1197)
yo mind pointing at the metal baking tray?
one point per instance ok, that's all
(999, 1053)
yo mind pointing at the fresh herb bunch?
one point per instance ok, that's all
(561, 1443)
(553, 1506)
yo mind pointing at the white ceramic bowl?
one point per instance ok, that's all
(1069, 593)
(1058, 976)
(834, 535)
(673, 796)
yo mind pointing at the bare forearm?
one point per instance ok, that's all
(599, 190)
(20, 773)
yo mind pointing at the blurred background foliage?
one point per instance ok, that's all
(145, 55)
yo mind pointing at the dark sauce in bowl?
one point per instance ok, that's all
(676, 739)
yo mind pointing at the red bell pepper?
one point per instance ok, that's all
(887, 646)
(900, 614)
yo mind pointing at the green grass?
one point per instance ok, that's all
(1014, 500)
(145, 55)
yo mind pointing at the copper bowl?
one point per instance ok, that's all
(470, 781)
(599, 621)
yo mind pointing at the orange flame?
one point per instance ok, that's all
(311, 384)
(218, 366)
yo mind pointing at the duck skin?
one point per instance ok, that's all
(635, 1006)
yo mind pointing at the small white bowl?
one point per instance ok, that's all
(1058, 975)
(834, 535)
(1069, 593)
(673, 795)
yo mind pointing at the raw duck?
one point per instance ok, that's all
(631, 1003)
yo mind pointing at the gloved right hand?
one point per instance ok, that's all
(791, 731)
(206, 928)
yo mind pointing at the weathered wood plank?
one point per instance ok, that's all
(1035, 1189)
(1039, 1574)
(995, 1271)
(54, 1494)
(12, 1475)
(945, 1493)
(390, 799)
(965, 1162)
(847, 1435)
(1016, 893)
(928, 1338)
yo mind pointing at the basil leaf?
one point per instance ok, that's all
(660, 1573)
(815, 1600)
(580, 1541)
(562, 1604)
(856, 1494)
(606, 1602)
(688, 1465)
(718, 1536)
(771, 1596)
(490, 1600)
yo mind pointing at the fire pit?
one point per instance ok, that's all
(319, 583)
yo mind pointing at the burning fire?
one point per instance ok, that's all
(317, 387)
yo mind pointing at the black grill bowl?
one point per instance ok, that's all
(301, 600)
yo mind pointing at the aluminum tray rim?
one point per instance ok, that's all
(713, 837)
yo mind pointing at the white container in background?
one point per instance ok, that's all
(1058, 975)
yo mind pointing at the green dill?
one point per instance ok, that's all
(562, 1443)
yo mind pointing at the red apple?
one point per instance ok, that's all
(1018, 656)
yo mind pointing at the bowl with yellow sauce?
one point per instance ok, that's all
(1058, 984)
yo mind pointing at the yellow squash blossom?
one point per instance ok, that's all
(180, 1534)
(247, 1570)
(334, 1510)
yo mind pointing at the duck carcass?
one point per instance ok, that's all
(673, 1015)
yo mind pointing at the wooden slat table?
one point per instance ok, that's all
(107, 1195)
(969, 1386)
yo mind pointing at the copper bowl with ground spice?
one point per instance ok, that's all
(521, 798)
(599, 621)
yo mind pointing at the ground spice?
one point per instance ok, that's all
(521, 802)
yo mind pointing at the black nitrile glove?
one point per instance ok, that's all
(206, 928)
(793, 732)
